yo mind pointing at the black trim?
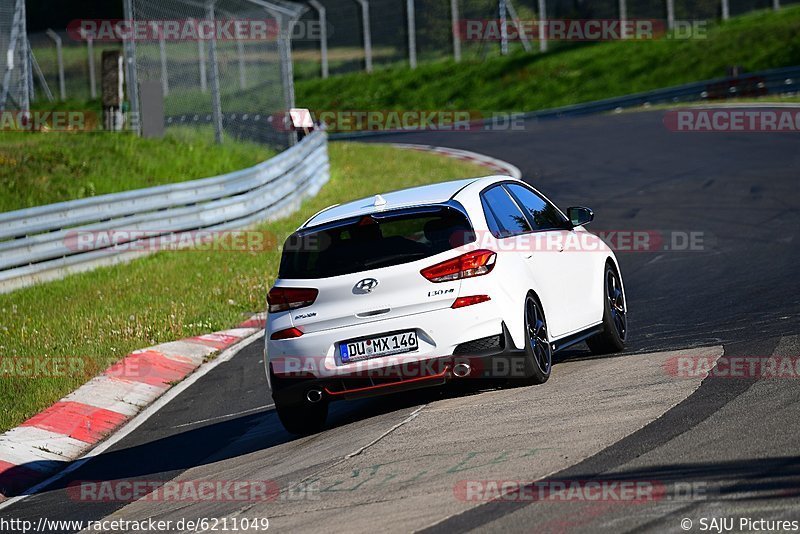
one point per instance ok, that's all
(494, 364)
(477, 345)
(576, 338)
(485, 365)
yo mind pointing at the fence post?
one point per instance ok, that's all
(542, 24)
(129, 47)
(503, 28)
(162, 51)
(92, 76)
(242, 64)
(776, 4)
(40, 75)
(216, 103)
(26, 86)
(323, 36)
(726, 10)
(412, 34)
(623, 17)
(201, 61)
(60, 53)
(285, 47)
(367, 34)
(31, 86)
(16, 25)
(456, 32)
(526, 44)
(670, 14)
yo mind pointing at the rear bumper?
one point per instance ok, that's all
(439, 332)
(492, 363)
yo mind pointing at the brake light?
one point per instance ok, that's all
(288, 333)
(469, 301)
(290, 298)
(476, 263)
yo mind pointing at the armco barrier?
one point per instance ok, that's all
(34, 245)
(752, 84)
(748, 85)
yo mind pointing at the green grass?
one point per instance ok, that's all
(104, 314)
(42, 168)
(569, 74)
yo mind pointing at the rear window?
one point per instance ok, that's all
(373, 241)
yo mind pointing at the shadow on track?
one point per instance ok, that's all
(752, 479)
(203, 443)
(200, 443)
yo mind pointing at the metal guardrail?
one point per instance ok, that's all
(753, 84)
(35, 242)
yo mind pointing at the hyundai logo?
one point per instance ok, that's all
(365, 286)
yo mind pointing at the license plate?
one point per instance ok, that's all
(378, 346)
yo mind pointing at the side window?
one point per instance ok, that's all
(542, 214)
(491, 220)
(502, 214)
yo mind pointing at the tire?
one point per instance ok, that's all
(302, 419)
(615, 321)
(538, 351)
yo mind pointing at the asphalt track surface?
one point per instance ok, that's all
(397, 463)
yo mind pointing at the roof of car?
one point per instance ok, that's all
(414, 196)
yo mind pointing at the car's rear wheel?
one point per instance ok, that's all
(302, 419)
(615, 320)
(538, 351)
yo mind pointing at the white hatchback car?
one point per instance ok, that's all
(477, 278)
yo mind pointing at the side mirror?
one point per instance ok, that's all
(579, 216)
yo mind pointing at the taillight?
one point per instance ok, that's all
(290, 298)
(476, 263)
(469, 301)
(288, 333)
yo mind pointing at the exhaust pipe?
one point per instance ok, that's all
(314, 395)
(461, 370)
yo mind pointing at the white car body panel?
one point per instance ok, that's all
(415, 196)
(569, 285)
